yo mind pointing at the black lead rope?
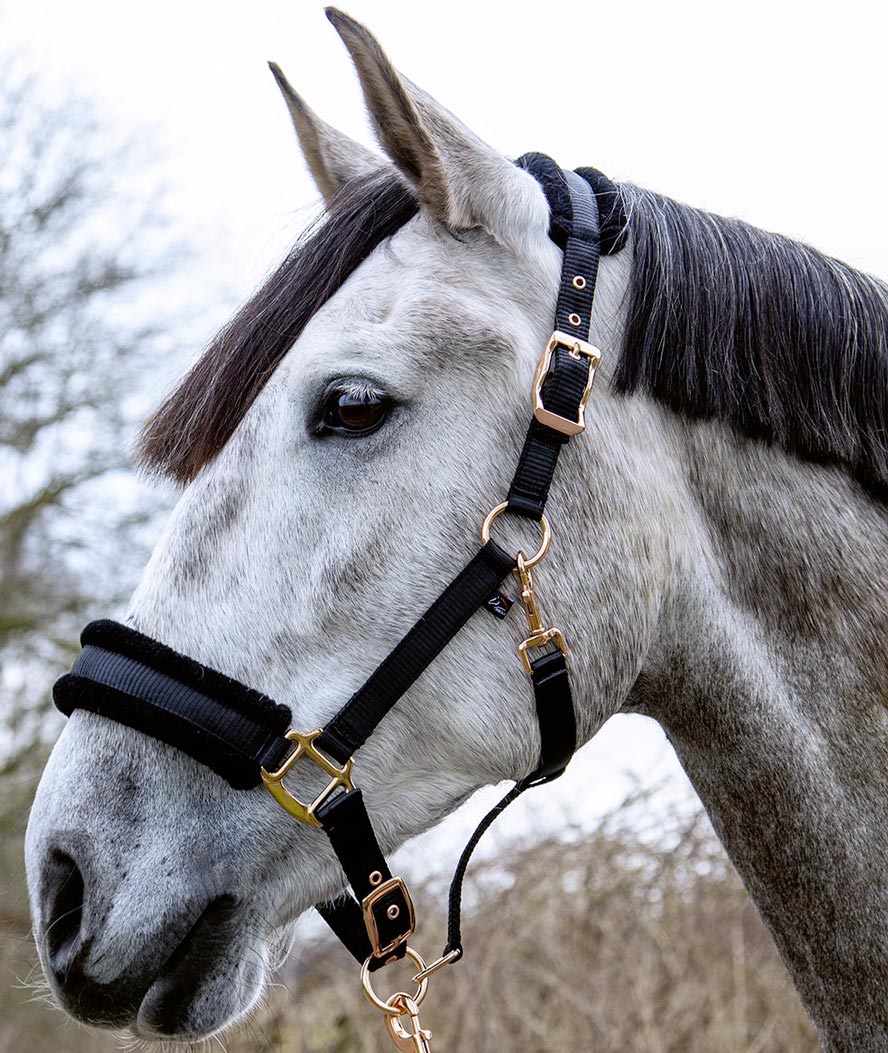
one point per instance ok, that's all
(242, 735)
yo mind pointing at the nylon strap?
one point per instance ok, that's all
(388, 906)
(563, 388)
(468, 591)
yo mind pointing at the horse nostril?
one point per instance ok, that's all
(63, 902)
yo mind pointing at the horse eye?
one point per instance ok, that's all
(354, 415)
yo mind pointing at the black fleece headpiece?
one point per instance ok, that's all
(611, 214)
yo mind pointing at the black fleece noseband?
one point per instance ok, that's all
(121, 674)
(243, 735)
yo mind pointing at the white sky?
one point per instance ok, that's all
(770, 111)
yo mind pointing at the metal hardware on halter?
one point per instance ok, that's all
(415, 1041)
(386, 1007)
(399, 1005)
(546, 540)
(576, 348)
(371, 922)
(340, 776)
(539, 636)
(439, 963)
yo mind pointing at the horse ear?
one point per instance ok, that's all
(332, 157)
(461, 181)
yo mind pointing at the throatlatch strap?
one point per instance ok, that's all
(471, 588)
(124, 675)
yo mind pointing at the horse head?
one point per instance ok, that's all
(338, 445)
(719, 564)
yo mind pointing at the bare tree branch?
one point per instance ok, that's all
(75, 256)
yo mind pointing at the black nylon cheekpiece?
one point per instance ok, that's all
(124, 675)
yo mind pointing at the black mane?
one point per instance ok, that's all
(724, 321)
(783, 343)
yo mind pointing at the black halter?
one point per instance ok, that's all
(242, 735)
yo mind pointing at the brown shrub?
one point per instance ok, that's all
(637, 938)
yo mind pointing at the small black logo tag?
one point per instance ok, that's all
(499, 604)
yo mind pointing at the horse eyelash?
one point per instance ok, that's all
(358, 387)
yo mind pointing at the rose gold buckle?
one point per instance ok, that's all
(370, 923)
(340, 775)
(577, 349)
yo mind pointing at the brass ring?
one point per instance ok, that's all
(374, 998)
(529, 561)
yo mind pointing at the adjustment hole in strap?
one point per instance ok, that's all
(545, 541)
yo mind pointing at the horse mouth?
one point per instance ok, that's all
(188, 1009)
(212, 977)
(206, 983)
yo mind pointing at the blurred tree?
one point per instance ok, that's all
(84, 275)
(80, 272)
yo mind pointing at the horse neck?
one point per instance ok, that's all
(768, 675)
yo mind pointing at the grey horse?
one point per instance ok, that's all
(719, 565)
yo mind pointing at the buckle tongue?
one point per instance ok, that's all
(577, 349)
(340, 775)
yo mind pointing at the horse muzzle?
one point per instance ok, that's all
(114, 960)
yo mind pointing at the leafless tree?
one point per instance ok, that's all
(85, 267)
(81, 270)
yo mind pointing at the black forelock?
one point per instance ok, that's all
(193, 425)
